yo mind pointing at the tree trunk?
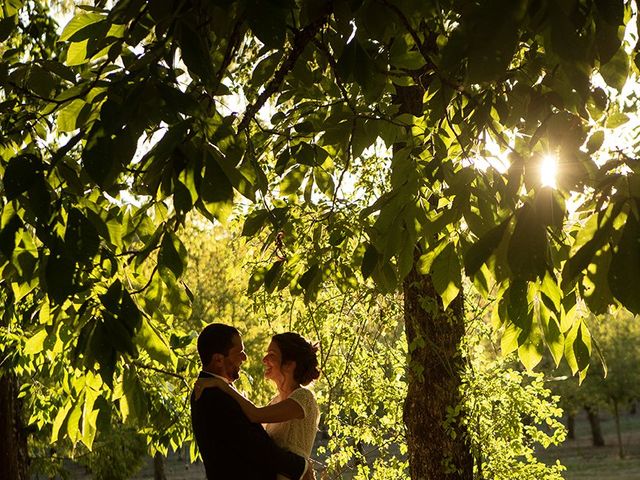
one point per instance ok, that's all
(616, 414)
(596, 431)
(14, 463)
(436, 452)
(571, 426)
(158, 467)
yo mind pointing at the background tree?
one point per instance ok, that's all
(88, 227)
(613, 385)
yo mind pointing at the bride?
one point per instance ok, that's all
(291, 418)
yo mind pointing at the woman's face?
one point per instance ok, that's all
(273, 367)
(272, 362)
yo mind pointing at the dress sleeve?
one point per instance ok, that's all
(304, 398)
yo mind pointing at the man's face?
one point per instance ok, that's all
(235, 358)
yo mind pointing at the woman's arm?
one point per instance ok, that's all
(278, 412)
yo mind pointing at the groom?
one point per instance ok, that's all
(231, 446)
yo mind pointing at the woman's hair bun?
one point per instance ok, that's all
(294, 347)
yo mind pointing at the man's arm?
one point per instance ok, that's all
(252, 442)
(288, 409)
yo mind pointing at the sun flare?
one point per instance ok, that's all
(548, 171)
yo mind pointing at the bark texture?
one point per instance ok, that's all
(14, 463)
(158, 467)
(435, 365)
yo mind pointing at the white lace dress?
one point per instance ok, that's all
(297, 435)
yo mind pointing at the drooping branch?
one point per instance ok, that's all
(232, 46)
(300, 40)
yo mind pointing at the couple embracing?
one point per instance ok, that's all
(227, 426)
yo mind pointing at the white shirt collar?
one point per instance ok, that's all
(226, 380)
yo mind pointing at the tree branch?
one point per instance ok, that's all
(232, 45)
(159, 370)
(300, 41)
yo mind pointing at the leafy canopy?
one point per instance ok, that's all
(301, 107)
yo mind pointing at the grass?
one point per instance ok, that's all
(586, 462)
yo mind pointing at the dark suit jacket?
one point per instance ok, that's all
(234, 448)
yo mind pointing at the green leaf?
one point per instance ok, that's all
(608, 39)
(272, 276)
(480, 251)
(490, 55)
(264, 69)
(612, 11)
(553, 337)
(73, 423)
(594, 287)
(616, 70)
(518, 307)
(599, 233)
(135, 399)
(624, 271)
(527, 252)
(21, 173)
(582, 347)
(8, 235)
(324, 180)
(182, 200)
(35, 343)
(550, 289)
(256, 280)
(595, 141)
(254, 222)
(154, 344)
(79, 23)
(491, 35)
(172, 254)
(195, 52)
(119, 338)
(530, 351)
(616, 120)
(446, 274)
(369, 261)
(99, 157)
(59, 274)
(355, 65)
(509, 340)
(7, 27)
(291, 183)
(67, 119)
(81, 236)
(385, 277)
(58, 422)
(577, 348)
(269, 23)
(88, 428)
(215, 189)
(310, 278)
(60, 70)
(77, 54)
(550, 207)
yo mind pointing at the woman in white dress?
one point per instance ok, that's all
(291, 418)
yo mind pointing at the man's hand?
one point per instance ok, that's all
(203, 383)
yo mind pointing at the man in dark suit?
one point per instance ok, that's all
(231, 446)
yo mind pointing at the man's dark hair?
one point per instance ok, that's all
(215, 338)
